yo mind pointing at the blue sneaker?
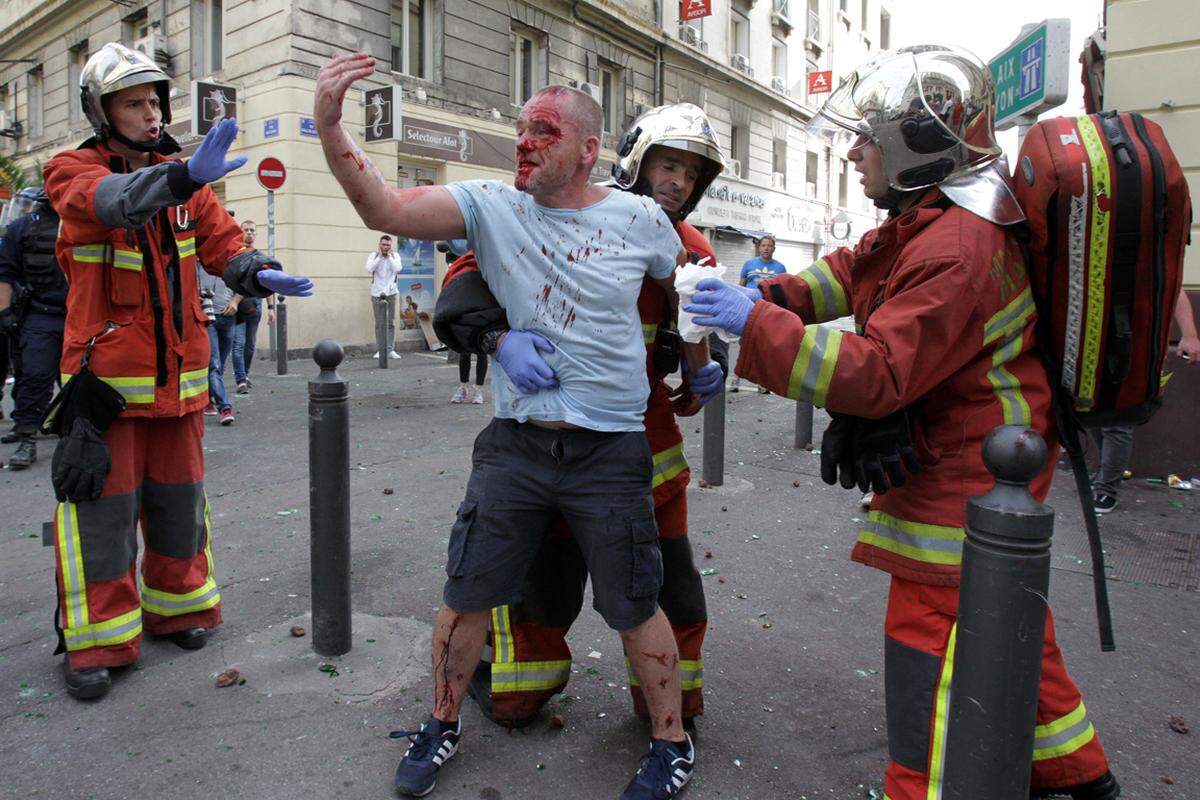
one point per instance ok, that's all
(663, 773)
(430, 748)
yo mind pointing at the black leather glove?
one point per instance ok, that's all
(10, 323)
(80, 464)
(837, 450)
(884, 455)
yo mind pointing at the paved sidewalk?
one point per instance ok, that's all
(793, 661)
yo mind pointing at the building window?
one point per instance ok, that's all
(811, 178)
(411, 37)
(779, 61)
(778, 164)
(843, 183)
(610, 98)
(135, 26)
(739, 150)
(76, 58)
(208, 37)
(35, 103)
(863, 17)
(739, 34)
(814, 20)
(885, 30)
(844, 6)
(528, 63)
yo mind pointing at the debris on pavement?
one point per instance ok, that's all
(594, 654)
(703, 483)
(329, 669)
(228, 678)
(708, 554)
(297, 631)
(708, 571)
(796, 484)
(1178, 725)
(557, 722)
(389, 490)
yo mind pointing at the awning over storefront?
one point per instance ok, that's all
(749, 233)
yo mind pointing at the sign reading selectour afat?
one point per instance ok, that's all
(1031, 74)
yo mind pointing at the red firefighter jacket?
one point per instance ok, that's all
(945, 328)
(128, 245)
(463, 318)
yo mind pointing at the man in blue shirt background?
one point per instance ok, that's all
(761, 266)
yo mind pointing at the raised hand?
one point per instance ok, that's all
(334, 79)
(208, 163)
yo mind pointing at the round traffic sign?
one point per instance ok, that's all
(271, 173)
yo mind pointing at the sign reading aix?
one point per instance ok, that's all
(1031, 74)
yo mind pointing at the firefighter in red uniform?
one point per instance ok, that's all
(672, 154)
(134, 223)
(944, 353)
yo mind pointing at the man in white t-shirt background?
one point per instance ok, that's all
(384, 265)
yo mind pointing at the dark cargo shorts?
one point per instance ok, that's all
(522, 478)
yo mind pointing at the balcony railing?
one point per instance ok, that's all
(780, 7)
(814, 26)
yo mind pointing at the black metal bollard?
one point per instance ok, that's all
(329, 501)
(1001, 624)
(713, 469)
(281, 337)
(804, 425)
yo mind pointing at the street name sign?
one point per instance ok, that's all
(1032, 73)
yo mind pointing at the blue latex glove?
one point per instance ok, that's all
(208, 163)
(279, 282)
(707, 382)
(520, 355)
(720, 305)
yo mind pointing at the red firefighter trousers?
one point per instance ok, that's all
(919, 653)
(156, 482)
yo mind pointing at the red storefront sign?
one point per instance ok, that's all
(694, 9)
(820, 82)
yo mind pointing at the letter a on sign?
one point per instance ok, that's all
(694, 9)
(820, 82)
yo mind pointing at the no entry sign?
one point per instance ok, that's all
(271, 174)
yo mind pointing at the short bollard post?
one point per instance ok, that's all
(281, 336)
(997, 647)
(329, 501)
(713, 470)
(804, 425)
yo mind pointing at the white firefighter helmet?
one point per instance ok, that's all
(930, 110)
(681, 126)
(115, 67)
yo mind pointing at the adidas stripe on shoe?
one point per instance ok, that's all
(430, 747)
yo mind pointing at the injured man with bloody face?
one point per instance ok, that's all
(566, 259)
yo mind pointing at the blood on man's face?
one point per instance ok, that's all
(547, 155)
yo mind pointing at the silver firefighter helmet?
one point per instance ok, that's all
(930, 110)
(681, 126)
(115, 67)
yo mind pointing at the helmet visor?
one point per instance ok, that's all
(833, 132)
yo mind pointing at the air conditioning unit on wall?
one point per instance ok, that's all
(154, 46)
(778, 84)
(778, 181)
(741, 63)
(590, 89)
(735, 167)
(690, 35)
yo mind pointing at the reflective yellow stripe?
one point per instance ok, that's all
(133, 389)
(813, 368)
(529, 676)
(1097, 262)
(88, 253)
(691, 674)
(1063, 736)
(1012, 317)
(70, 554)
(127, 259)
(828, 296)
(1005, 385)
(941, 715)
(649, 332)
(933, 544)
(502, 639)
(668, 464)
(205, 597)
(187, 247)
(119, 629)
(193, 383)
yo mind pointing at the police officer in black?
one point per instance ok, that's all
(33, 306)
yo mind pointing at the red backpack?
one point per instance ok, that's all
(1108, 214)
